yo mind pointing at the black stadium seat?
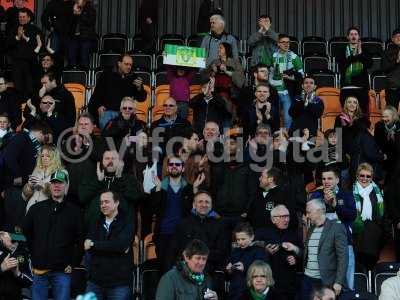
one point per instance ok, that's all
(314, 45)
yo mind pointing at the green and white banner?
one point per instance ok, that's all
(185, 56)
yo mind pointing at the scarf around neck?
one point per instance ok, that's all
(259, 296)
(355, 68)
(196, 278)
(359, 193)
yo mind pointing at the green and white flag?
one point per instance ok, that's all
(185, 56)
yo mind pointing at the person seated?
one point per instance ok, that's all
(5, 130)
(125, 124)
(260, 282)
(9, 103)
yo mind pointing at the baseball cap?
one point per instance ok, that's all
(59, 176)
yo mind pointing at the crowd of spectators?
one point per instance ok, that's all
(236, 184)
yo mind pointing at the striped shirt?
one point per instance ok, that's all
(312, 267)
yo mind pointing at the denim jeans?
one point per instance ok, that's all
(351, 269)
(107, 116)
(285, 102)
(307, 286)
(122, 292)
(60, 283)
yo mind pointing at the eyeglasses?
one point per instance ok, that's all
(282, 216)
(46, 102)
(175, 164)
(127, 108)
(259, 276)
(169, 105)
(364, 176)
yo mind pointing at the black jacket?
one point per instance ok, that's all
(391, 67)
(306, 116)
(271, 295)
(118, 128)
(111, 87)
(259, 213)
(53, 231)
(58, 15)
(233, 186)
(111, 255)
(19, 158)
(85, 23)
(12, 18)
(9, 104)
(284, 274)
(215, 110)
(22, 49)
(207, 229)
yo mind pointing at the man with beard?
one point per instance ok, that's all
(216, 36)
(172, 200)
(108, 176)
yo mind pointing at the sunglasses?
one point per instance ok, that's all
(169, 105)
(364, 176)
(127, 108)
(46, 102)
(174, 164)
(282, 216)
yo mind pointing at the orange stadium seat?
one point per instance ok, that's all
(142, 108)
(79, 93)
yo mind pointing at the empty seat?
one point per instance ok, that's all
(372, 46)
(114, 43)
(378, 81)
(141, 45)
(331, 99)
(294, 45)
(376, 65)
(382, 272)
(159, 66)
(79, 93)
(194, 40)
(108, 60)
(142, 62)
(314, 45)
(325, 78)
(361, 283)
(174, 39)
(337, 46)
(314, 63)
(74, 76)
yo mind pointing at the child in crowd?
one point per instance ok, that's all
(179, 79)
(241, 258)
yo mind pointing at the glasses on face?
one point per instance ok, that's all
(282, 216)
(259, 276)
(2, 83)
(46, 102)
(174, 164)
(127, 108)
(169, 105)
(364, 176)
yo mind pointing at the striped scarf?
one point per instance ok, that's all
(355, 68)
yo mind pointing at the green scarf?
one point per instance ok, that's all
(355, 68)
(358, 224)
(257, 296)
(196, 278)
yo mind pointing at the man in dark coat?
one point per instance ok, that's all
(9, 103)
(285, 251)
(109, 243)
(203, 224)
(391, 67)
(111, 87)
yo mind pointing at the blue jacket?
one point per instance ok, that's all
(345, 209)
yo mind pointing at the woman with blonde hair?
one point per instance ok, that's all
(367, 227)
(260, 283)
(38, 186)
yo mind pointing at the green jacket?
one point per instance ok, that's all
(175, 285)
(91, 188)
